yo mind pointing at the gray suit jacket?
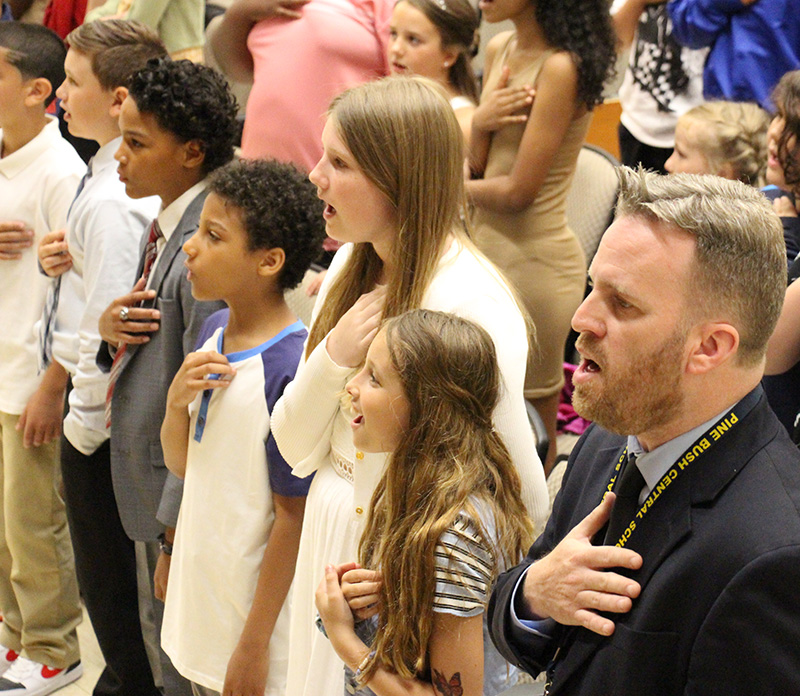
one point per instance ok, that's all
(148, 496)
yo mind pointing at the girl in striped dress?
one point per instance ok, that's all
(445, 519)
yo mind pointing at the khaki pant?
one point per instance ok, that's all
(38, 590)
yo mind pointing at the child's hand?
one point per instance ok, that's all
(247, 672)
(133, 325)
(349, 341)
(199, 371)
(360, 588)
(41, 418)
(54, 255)
(503, 106)
(14, 239)
(784, 207)
(161, 576)
(332, 606)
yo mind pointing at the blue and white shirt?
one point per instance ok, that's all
(232, 469)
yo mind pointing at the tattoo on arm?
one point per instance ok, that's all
(445, 687)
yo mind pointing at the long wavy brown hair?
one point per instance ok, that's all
(786, 98)
(404, 136)
(449, 459)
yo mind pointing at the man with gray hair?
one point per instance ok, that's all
(671, 562)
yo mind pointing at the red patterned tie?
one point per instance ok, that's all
(150, 253)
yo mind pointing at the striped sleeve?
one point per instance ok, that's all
(464, 576)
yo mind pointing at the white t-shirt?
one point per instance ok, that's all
(232, 469)
(37, 185)
(663, 80)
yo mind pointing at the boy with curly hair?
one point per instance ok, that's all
(178, 124)
(226, 619)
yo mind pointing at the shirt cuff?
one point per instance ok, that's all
(543, 628)
(83, 439)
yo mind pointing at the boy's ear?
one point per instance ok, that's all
(272, 261)
(119, 94)
(194, 154)
(38, 90)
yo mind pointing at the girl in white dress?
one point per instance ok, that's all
(391, 178)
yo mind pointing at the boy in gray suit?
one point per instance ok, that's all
(178, 125)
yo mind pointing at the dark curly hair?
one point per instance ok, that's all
(582, 27)
(192, 102)
(786, 98)
(280, 208)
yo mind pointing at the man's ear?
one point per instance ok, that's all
(714, 344)
(194, 154)
(119, 94)
(271, 262)
(38, 90)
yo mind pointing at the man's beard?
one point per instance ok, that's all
(646, 395)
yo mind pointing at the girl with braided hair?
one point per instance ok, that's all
(728, 139)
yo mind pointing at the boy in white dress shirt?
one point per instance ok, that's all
(39, 174)
(95, 259)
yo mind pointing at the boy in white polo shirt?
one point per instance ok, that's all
(39, 174)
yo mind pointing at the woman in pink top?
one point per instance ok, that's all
(299, 54)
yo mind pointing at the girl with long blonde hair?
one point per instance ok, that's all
(391, 181)
(445, 518)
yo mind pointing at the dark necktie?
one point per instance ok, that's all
(150, 253)
(48, 323)
(627, 488)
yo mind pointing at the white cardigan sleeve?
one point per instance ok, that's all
(302, 419)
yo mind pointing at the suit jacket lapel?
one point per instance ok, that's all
(578, 644)
(669, 520)
(187, 225)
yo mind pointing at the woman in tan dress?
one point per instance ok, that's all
(523, 155)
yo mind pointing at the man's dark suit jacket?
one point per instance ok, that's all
(148, 496)
(719, 611)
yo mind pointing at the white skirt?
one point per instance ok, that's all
(331, 532)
